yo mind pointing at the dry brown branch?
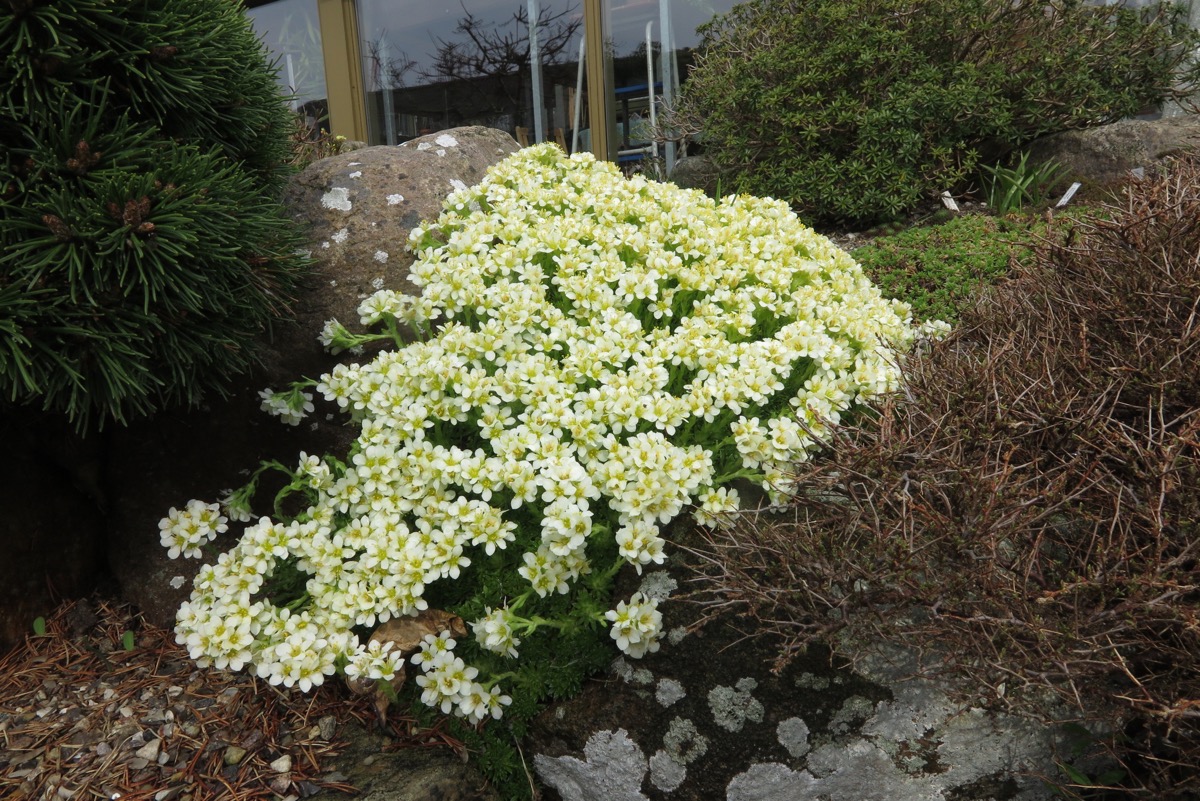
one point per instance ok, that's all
(1035, 490)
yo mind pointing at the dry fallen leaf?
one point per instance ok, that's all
(406, 633)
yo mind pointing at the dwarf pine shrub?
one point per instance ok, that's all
(856, 110)
(142, 247)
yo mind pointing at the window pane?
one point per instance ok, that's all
(640, 86)
(290, 30)
(428, 66)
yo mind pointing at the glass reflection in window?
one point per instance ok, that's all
(507, 64)
(291, 32)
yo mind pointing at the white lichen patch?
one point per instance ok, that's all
(612, 770)
(917, 707)
(811, 681)
(356, 174)
(665, 773)
(325, 244)
(683, 742)
(381, 256)
(377, 281)
(676, 635)
(732, 706)
(354, 164)
(769, 781)
(341, 235)
(446, 140)
(631, 675)
(395, 200)
(853, 711)
(457, 185)
(424, 146)
(440, 152)
(337, 199)
(793, 736)
(658, 585)
(669, 691)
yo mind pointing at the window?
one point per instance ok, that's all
(292, 33)
(651, 44)
(507, 64)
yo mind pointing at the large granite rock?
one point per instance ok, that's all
(52, 528)
(381, 773)
(358, 207)
(706, 718)
(1103, 157)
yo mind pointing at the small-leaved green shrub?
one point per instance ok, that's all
(856, 110)
(142, 244)
(598, 356)
(939, 269)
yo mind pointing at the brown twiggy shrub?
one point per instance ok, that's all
(1034, 493)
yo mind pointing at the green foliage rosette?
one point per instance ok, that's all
(599, 356)
(142, 245)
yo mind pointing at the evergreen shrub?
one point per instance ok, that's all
(142, 245)
(855, 110)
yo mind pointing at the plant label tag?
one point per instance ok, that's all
(1070, 193)
(948, 201)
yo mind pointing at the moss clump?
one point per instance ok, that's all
(940, 269)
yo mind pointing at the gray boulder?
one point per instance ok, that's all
(1104, 156)
(406, 774)
(359, 208)
(707, 718)
(696, 172)
(52, 531)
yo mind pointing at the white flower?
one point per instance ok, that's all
(494, 632)
(432, 647)
(376, 661)
(290, 407)
(478, 702)
(236, 506)
(334, 337)
(716, 507)
(183, 533)
(637, 625)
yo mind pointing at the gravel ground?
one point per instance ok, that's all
(83, 717)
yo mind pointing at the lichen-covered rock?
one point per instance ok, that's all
(404, 774)
(705, 718)
(358, 208)
(1103, 156)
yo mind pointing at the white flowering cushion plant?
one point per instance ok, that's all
(598, 355)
